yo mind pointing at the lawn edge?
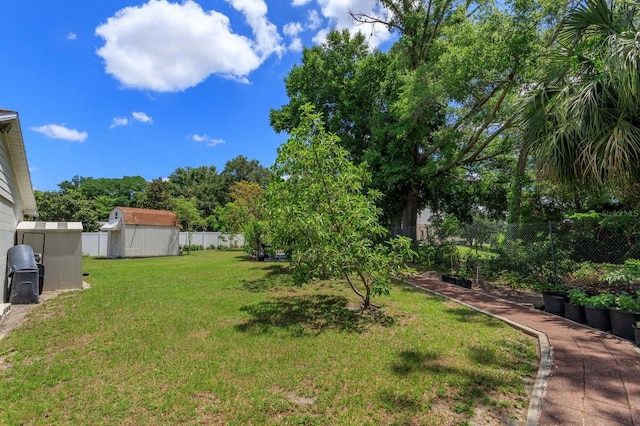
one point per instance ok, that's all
(546, 356)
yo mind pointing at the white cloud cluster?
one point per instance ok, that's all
(208, 140)
(335, 14)
(60, 131)
(169, 47)
(137, 116)
(165, 46)
(141, 117)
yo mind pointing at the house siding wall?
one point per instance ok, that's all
(11, 213)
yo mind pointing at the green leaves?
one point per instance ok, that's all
(582, 119)
(322, 215)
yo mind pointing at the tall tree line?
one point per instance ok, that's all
(90, 200)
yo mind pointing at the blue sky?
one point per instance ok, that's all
(124, 88)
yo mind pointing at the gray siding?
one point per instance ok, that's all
(10, 213)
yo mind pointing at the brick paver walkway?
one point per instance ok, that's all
(593, 377)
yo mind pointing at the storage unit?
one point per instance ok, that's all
(142, 233)
(60, 246)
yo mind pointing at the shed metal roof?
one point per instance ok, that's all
(135, 216)
(50, 226)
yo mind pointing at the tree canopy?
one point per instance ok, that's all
(321, 213)
(435, 106)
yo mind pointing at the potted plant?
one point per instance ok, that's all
(554, 295)
(574, 307)
(596, 311)
(636, 332)
(624, 314)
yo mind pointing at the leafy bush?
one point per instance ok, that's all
(602, 300)
(626, 302)
(629, 272)
(577, 297)
(192, 247)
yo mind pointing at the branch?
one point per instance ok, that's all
(355, 290)
(363, 18)
(492, 116)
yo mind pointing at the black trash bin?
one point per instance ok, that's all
(23, 273)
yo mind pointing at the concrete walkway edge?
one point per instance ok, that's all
(546, 355)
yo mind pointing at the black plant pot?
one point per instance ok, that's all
(554, 302)
(574, 313)
(463, 282)
(622, 322)
(636, 334)
(451, 279)
(598, 318)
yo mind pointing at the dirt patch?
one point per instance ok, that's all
(17, 313)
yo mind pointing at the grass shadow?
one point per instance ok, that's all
(466, 315)
(310, 315)
(462, 385)
(412, 360)
(276, 277)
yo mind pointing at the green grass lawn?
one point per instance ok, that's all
(482, 252)
(212, 338)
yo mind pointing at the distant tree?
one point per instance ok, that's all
(203, 184)
(244, 214)
(68, 206)
(241, 169)
(157, 196)
(188, 214)
(320, 212)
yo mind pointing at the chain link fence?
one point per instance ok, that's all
(581, 249)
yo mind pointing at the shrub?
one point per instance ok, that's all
(577, 297)
(602, 300)
(626, 302)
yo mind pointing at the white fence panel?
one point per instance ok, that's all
(211, 240)
(95, 243)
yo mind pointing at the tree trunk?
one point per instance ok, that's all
(518, 182)
(410, 215)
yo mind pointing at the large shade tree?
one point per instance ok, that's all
(582, 118)
(440, 100)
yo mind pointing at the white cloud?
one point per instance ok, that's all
(60, 131)
(337, 12)
(169, 47)
(142, 117)
(292, 29)
(313, 20)
(119, 121)
(268, 41)
(208, 140)
(299, 2)
(71, 36)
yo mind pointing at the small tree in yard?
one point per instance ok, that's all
(321, 213)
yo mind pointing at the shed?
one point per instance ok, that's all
(60, 244)
(17, 200)
(134, 232)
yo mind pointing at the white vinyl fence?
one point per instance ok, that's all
(95, 243)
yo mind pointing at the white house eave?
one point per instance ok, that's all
(18, 155)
